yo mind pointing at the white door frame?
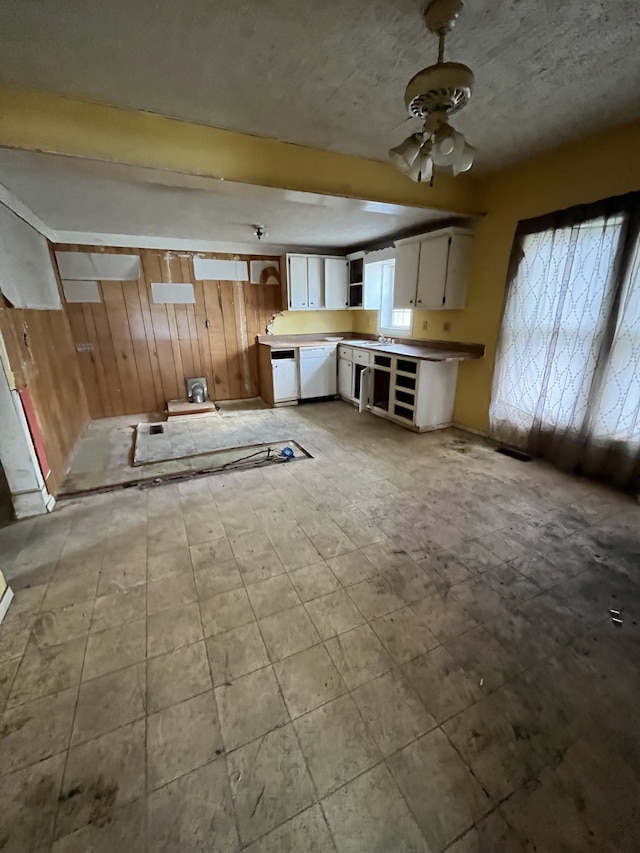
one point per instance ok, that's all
(29, 492)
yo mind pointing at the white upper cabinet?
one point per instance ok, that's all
(458, 269)
(314, 281)
(297, 280)
(433, 273)
(335, 283)
(315, 275)
(406, 275)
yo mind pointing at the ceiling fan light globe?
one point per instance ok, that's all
(448, 146)
(445, 146)
(404, 155)
(465, 161)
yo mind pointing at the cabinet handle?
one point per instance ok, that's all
(411, 302)
(419, 300)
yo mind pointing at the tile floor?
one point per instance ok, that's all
(403, 644)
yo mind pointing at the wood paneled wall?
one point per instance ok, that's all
(143, 352)
(43, 358)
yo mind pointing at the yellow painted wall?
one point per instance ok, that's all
(365, 322)
(600, 166)
(304, 322)
(39, 121)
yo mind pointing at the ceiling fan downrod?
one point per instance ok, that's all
(433, 95)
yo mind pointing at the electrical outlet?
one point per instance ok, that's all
(446, 327)
(425, 325)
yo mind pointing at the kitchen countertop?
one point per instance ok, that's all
(427, 350)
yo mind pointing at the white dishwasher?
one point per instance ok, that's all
(318, 372)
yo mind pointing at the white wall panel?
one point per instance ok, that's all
(211, 269)
(27, 277)
(95, 265)
(81, 291)
(175, 293)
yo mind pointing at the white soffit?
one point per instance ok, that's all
(110, 204)
(96, 265)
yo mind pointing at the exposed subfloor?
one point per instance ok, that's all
(403, 644)
(106, 453)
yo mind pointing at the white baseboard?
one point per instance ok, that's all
(34, 502)
(5, 601)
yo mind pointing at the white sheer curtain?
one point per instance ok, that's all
(566, 381)
(615, 425)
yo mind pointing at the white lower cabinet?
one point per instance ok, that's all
(279, 385)
(285, 381)
(351, 366)
(345, 378)
(415, 393)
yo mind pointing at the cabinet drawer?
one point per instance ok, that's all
(404, 413)
(405, 366)
(382, 361)
(362, 356)
(407, 398)
(408, 382)
(345, 352)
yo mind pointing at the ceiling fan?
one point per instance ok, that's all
(433, 95)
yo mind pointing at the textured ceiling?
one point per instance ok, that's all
(69, 194)
(332, 74)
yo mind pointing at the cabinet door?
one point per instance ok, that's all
(298, 282)
(432, 272)
(315, 269)
(373, 286)
(458, 271)
(285, 380)
(335, 283)
(345, 378)
(406, 275)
